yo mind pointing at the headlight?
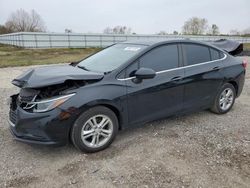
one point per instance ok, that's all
(48, 104)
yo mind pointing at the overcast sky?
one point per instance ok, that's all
(143, 16)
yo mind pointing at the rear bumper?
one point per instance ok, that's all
(241, 81)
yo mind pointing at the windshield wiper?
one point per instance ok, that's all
(84, 68)
(107, 72)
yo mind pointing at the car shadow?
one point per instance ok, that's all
(125, 139)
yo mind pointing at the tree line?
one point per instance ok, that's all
(21, 21)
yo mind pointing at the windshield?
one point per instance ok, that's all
(110, 58)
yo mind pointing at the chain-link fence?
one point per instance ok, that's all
(73, 40)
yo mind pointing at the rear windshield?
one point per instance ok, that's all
(111, 58)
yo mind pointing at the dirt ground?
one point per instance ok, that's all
(197, 150)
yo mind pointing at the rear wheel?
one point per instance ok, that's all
(224, 99)
(95, 129)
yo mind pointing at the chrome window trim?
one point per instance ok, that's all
(184, 67)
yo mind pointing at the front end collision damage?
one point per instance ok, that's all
(46, 83)
(38, 87)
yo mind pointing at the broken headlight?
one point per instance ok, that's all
(47, 104)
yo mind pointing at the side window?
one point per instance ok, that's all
(215, 54)
(196, 53)
(161, 58)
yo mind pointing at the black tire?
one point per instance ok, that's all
(76, 131)
(216, 108)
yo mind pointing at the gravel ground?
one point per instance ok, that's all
(197, 150)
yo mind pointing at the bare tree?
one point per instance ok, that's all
(3, 29)
(117, 30)
(162, 33)
(108, 30)
(215, 29)
(24, 21)
(234, 32)
(68, 30)
(195, 26)
(175, 32)
(246, 31)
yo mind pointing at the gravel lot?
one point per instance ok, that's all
(197, 150)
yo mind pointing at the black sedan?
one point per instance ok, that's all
(122, 86)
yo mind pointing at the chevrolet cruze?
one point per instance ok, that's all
(122, 86)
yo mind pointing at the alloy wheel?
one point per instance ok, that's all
(97, 131)
(226, 99)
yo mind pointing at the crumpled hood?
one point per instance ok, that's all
(52, 75)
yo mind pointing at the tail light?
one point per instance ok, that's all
(244, 63)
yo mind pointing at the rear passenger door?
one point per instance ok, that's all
(158, 97)
(202, 70)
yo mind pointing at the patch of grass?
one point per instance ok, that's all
(246, 46)
(13, 56)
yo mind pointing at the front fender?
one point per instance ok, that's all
(112, 96)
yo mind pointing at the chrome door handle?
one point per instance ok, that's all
(176, 78)
(216, 68)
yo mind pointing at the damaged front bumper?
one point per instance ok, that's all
(48, 128)
(30, 140)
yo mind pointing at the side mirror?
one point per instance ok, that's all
(145, 73)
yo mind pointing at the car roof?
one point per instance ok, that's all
(155, 42)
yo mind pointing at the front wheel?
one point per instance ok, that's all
(224, 99)
(95, 129)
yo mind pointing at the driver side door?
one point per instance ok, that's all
(160, 96)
